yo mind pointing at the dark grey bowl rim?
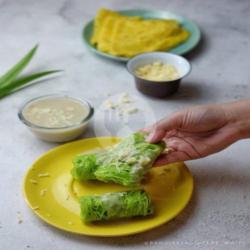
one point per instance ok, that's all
(32, 125)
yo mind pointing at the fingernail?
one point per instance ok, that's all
(150, 137)
(145, 130)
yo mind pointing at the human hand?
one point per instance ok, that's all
(198, 131)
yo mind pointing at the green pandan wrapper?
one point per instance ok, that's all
(125, 163)
(115, 205)
(84, 167)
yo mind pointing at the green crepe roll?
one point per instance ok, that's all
(125, 163)
(115, 205)
(84, 167)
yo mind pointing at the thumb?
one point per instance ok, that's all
(158, 130)
(156, 135)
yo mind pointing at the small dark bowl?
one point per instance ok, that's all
(158, 88)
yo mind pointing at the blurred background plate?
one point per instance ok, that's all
(181, 49)
(53, 195)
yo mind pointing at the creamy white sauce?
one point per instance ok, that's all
(56, 112)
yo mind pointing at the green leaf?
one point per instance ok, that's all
(11, 74)
(21, 81)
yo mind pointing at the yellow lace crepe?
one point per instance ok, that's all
(128, 36)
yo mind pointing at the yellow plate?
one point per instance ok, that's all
(53, 196)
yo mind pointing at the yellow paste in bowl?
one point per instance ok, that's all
(157, 71)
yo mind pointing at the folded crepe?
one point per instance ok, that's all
(115, 205)
(125, 163)
(128, 36)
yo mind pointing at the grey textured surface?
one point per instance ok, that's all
(218, 217)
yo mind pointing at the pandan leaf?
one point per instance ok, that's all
(12, 74)
(21, 81)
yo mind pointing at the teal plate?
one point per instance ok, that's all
(149, 14)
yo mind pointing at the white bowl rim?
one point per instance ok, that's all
(131, 61)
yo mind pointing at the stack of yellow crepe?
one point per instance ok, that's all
(128, 36)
